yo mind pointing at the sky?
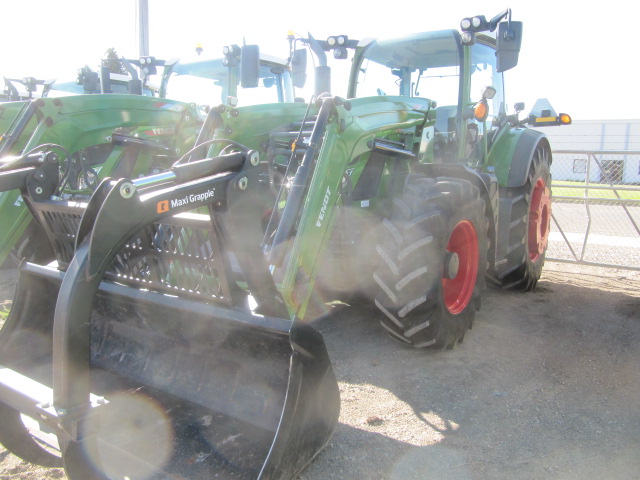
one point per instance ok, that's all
(582, 58)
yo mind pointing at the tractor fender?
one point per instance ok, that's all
(512, 153)
(487, 183)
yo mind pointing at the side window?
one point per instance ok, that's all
(483, 73)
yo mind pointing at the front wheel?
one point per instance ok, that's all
(32, 246)
(433, 255)
(15, 437)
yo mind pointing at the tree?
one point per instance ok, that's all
(113, 62)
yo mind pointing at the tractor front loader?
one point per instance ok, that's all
(98, 136)
(149, 316)
(173, 337)
(95, 136)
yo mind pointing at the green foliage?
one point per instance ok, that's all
(113, 62)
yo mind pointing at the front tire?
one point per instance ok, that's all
(433, 255)
(33, 246)
(15, 437)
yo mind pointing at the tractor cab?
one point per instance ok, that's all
(450, 68)
(244, 76)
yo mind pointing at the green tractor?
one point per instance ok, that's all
(96, 136)
(173, 338)
(117, 134)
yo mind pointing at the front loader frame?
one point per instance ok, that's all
(303, 395)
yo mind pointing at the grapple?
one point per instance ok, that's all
(159, 346)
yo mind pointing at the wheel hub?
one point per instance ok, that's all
(539, 219)
(460, 269)
(451, 265)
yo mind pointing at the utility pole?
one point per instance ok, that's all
(142, 26)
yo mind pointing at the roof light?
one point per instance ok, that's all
(475, 24)
(231, 50)
(489, 92)
(468, 38)
(340, 53)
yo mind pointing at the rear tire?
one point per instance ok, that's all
(433, 254)
(530, 223)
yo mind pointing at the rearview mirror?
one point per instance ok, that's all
(509, 42)
(299, 68)
(249, 66)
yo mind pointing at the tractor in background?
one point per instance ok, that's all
(119, 134)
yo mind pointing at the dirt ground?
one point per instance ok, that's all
(545, 386)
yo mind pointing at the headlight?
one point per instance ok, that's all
(468, 38)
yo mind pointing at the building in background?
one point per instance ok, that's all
(594, 136)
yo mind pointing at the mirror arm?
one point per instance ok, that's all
(493, 23)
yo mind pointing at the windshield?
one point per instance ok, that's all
(417, 66)
(207, 83)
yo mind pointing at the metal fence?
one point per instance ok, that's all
(596, 208)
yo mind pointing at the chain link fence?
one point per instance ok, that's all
(596, 208)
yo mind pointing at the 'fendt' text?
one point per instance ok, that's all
(323, 209)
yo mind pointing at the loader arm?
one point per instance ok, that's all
(350, 134)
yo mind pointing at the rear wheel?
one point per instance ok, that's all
(529, 226)
(433, 253)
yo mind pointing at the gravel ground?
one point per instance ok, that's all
(545, 386)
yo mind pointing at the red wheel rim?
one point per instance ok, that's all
(457, 291)
(539, 219)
